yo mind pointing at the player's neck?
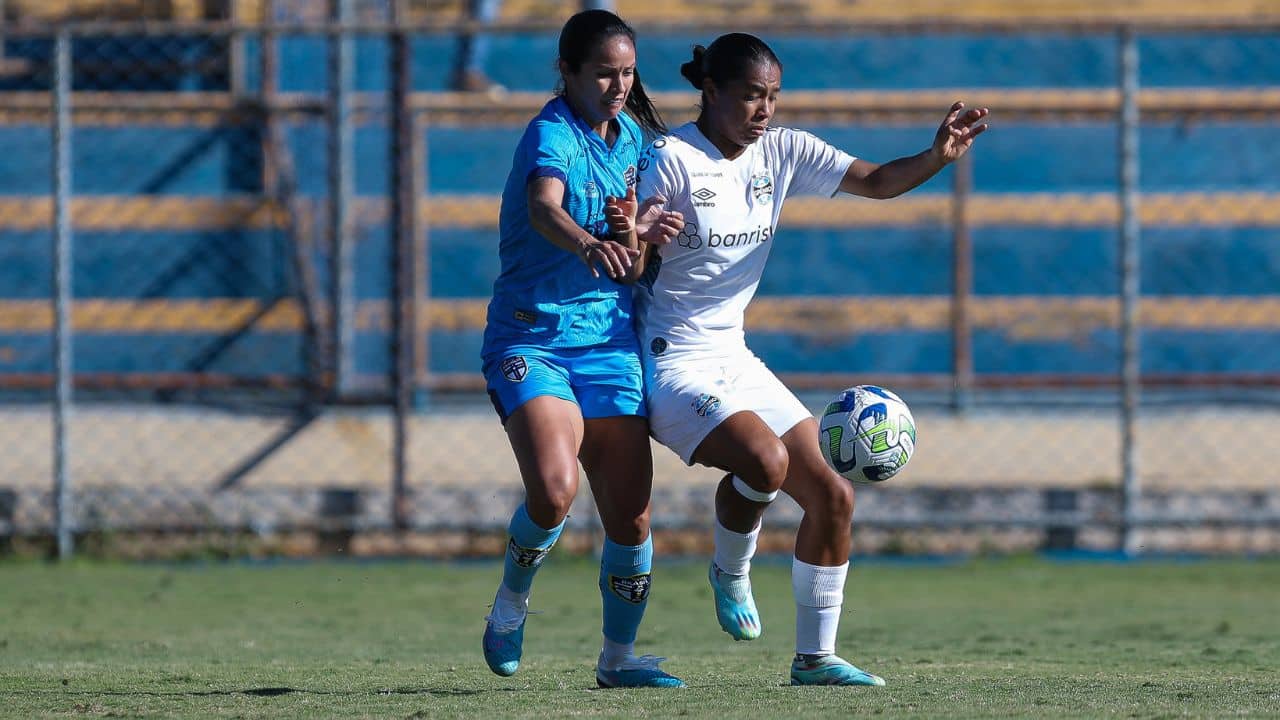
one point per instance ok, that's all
(606, 129)
(727, 148)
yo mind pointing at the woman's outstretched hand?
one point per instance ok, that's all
(958, 129)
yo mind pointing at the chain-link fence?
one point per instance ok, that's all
(247, 190)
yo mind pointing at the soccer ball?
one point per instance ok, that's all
(867, 434)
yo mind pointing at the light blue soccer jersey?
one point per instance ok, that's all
(545, 296)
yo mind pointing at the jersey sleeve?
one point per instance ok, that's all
(659, 172)
(816, 166)
(548, 150)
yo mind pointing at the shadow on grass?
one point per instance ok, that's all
(278, 691)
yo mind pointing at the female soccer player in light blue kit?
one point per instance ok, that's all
(710, 399)
(560, 356)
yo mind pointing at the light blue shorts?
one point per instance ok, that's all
(603, 381)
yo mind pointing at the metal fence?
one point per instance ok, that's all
(248, 262)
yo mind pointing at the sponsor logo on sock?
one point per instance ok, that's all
(633, 589)
(526, 557)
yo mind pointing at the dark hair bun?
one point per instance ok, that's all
(694, 71)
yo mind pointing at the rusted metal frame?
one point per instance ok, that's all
(474, 382)
(421, 259)
(404, 284)
(280, 185)
(961, 284)
(162, 381)
(1129, 280)
(772, 26)
(63, 295)
(341, 189)
(514, 108)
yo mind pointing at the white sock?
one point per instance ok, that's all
(508, 603)
(734, 550)
(613, 654)
(819, 593)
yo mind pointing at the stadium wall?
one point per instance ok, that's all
(199, 403)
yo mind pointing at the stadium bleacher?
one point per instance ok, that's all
(177, 242)
(193, 364)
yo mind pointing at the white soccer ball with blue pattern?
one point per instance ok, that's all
(867, 434)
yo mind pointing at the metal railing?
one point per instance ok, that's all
(320, 227)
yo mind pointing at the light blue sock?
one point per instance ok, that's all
(624, 587)
(526, 549)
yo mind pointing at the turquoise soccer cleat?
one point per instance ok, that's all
(830, 670)
(735, 608)
(503, 641)
(636, 672)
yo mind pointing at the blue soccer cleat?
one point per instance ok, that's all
(830, 670)
(735, 608)
(504, 640)
(636, 672)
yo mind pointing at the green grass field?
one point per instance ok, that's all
(1021, 637)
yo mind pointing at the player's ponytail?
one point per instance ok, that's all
(727, 59)
(586, 31)
(695, 71)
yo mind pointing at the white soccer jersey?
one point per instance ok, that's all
(694, 294)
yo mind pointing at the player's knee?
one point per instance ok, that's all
(549, 505)
(836, 500)
(841, 501)
(629, 531)
(625, 524)
(560, 503)
(766, 467)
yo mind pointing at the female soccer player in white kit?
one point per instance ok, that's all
(710, 399)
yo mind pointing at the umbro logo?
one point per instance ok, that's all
(702, 197)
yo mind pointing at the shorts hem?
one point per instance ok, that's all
(639, 413)
(688, 459)
(525, 401)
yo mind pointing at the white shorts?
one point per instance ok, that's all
(690, 399)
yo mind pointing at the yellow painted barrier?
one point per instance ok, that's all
(513, 109)
(1022, 317)
(148, 213)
